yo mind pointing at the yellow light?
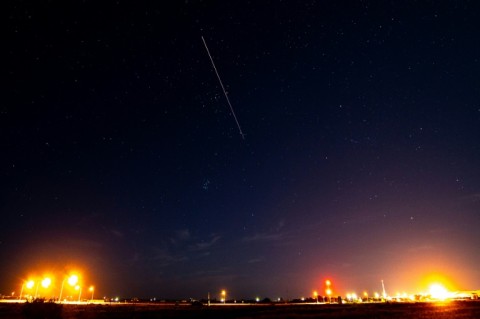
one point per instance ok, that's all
(438, 291)
(72, 280)
(437, 278)
(46, 282)
(327, 282)
(224, 296)
(30, 284)
(77, 287)
(376, 295)
(329, 291)
(315, 294)
(91, 288)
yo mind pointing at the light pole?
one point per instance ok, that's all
(30, 284)
(224, 296)
(77, 287)
(315, 295)
(91, 289)
(328, 290)
(61, 291)
(45, 284)
(72, 281)
(21, 291)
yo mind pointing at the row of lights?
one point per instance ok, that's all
(328, 291)
(46, 282)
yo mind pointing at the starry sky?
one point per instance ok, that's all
(120, 155)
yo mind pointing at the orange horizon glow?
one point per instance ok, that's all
(439, 280)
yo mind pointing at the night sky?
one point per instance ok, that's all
(120, 156)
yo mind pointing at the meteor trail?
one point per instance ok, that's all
(223, 88)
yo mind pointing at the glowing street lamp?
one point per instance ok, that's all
(365, 294)
(72, 281)
(315, 295)
(92, 290)
(224, 296)
(328, 290)
(45, 284)
(29, 284)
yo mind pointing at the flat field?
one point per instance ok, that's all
(455, 310)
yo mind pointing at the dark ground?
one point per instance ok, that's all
(457, 310)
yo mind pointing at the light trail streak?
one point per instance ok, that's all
(223, 88)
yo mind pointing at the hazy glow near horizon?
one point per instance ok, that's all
(438, 291)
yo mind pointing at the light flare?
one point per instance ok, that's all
(438, 292)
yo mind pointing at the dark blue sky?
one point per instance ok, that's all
(120, 155)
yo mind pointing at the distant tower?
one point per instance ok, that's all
(383, 288)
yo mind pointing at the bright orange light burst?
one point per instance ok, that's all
(46, 282)
(438, 291)
(438, 282)
(72, 280)
(30, 284)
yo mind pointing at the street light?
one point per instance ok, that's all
(29, 284)
(224, 296)
(328, 290)
(77, 287)
(45, 284)
(91, 289)
(72, 281)
(315, 295)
